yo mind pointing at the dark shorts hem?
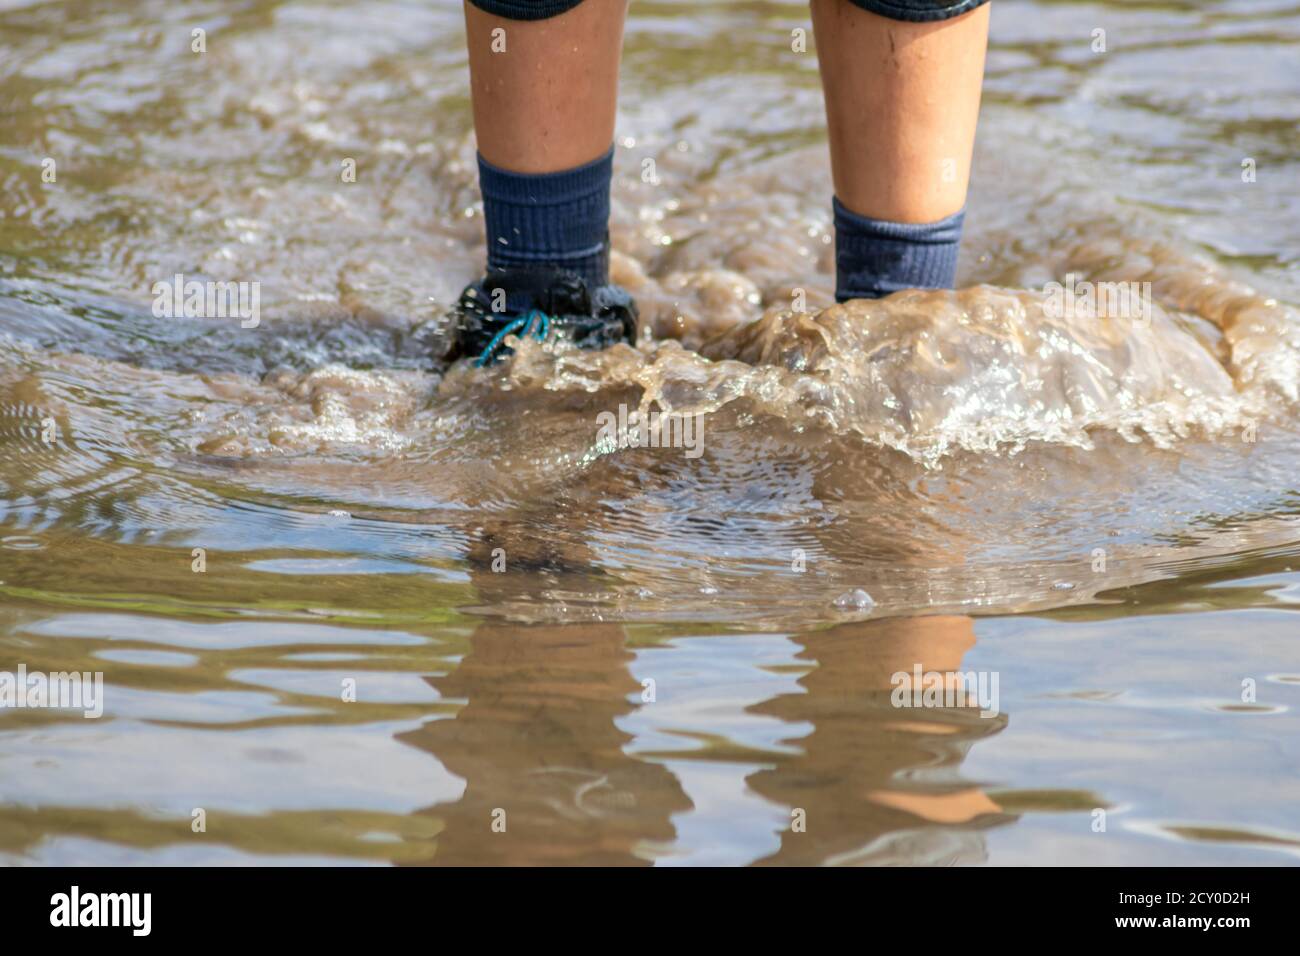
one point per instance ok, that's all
(918, 11)
(526, 9)
(914, 11)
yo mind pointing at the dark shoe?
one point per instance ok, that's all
(538, 303)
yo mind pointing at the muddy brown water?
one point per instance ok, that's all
(358, 609)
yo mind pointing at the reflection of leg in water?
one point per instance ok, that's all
(537, 740)
(879, 784)
(522, 575)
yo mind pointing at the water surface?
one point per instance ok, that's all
(431, 599)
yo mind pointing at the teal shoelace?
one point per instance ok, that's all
(536, 323)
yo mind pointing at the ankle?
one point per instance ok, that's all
(549, 220)
(876, 257)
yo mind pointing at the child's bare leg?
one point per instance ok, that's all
(545, 90)
(544, 84)
(902, 98)
(901, 104)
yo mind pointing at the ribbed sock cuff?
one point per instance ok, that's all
(549, 219)
(874, 257)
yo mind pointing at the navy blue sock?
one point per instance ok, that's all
(549, 219)
(874, 257)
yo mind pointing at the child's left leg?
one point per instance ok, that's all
(902, 88)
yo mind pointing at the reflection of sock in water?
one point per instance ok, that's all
(549, 219)
(874, 257)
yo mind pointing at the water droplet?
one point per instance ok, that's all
(855, 600)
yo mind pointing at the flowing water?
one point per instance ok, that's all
(358, 608)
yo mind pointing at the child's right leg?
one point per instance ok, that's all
(544, 89)
(544, 84)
